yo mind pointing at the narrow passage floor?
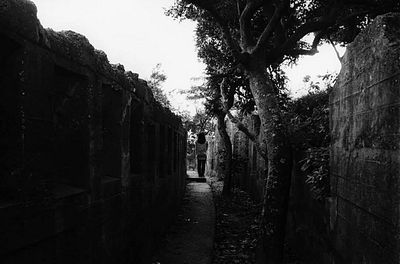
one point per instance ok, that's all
(190, 240)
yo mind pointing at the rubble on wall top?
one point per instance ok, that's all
(72, 45)
(20, 17)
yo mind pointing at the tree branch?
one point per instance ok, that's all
(298, 52)
(313, 50)
(309, 27)
(276, 17)
(317, 39)
(247, 38)
(317, 24)
(241, 126)
(336, 51)
(227, 94)
(227, 103)
(247, 132)
(280, 34)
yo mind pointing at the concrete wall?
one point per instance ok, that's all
(365, 153)
(91, 167)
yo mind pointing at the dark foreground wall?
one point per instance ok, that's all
(91, 167)
(365, 148)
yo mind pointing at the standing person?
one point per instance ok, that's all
(201, 153)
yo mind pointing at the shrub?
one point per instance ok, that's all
(309, 119)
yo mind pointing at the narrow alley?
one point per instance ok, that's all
(99, 166)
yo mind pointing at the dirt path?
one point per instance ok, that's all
(190, 240)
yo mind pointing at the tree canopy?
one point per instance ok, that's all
(276, 26)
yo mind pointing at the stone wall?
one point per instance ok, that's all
(92, 168)
(365, 153)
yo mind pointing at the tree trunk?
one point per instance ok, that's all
(227, 189)
(279, 163)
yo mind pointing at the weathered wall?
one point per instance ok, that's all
(91, 167)
(365, 153)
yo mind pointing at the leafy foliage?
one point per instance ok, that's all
(311, 130)
(309, 119)
(316, 167)
(157, 78)
(186, 119)
(200, 122)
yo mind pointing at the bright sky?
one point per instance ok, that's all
(138, 35)
(326, 61)
(134, 33)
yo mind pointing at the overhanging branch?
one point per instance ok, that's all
(298, 52)
(317, 24)
(313, 26)
(312, 51)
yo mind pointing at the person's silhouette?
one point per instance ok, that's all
(201, 153)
